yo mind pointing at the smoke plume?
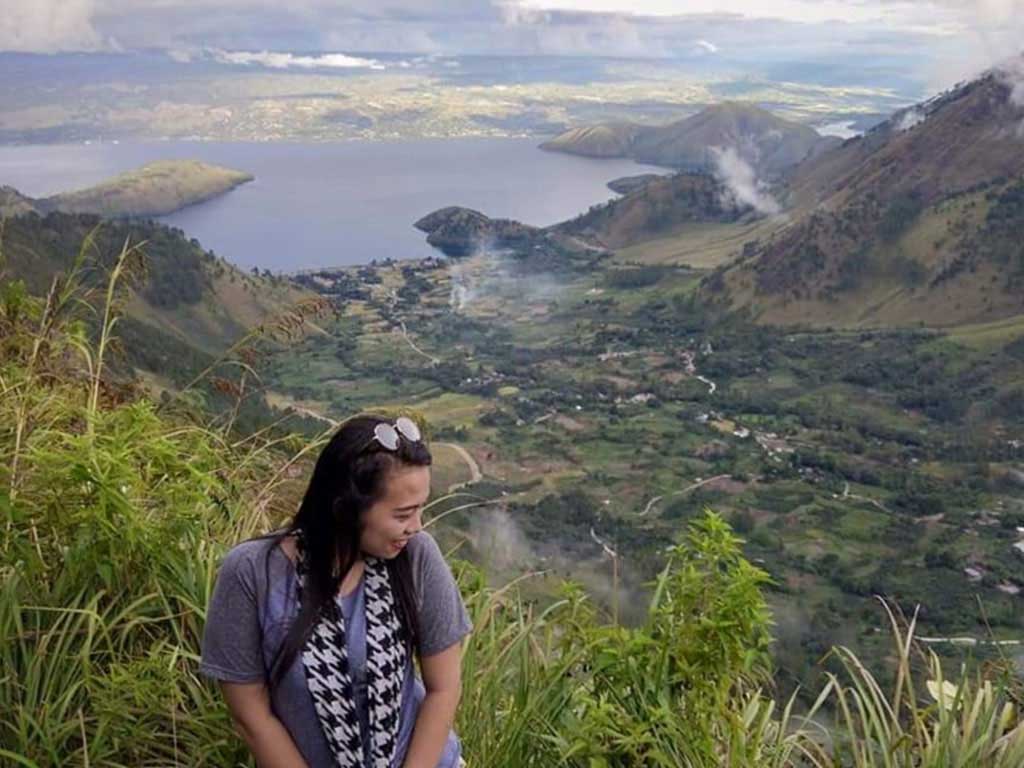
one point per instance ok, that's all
(493, 273)
(742, 182)
(909, 119)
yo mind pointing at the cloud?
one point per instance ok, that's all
(844, 129)
(742, 182)
(288, 61)
(861, 36)
(1012, 73)
(50, 26)
(987, 33)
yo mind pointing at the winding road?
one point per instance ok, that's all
(656, 499)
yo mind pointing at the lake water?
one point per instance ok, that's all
(317, 205)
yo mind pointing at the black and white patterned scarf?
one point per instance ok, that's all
(325, 658)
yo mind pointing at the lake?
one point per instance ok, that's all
(332, 204)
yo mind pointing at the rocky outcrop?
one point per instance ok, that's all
(460, 232)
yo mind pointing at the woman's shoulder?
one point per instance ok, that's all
(247, 558)
(423, 549)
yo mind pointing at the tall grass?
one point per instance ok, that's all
(116, 514)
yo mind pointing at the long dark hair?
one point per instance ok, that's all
(349, 476)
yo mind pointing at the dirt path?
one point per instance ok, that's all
(687, 489)
(475, 475)
(433, 360)
(711, 385)
(869, 500)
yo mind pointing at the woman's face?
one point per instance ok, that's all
(397, 515)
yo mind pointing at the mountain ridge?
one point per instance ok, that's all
(769, 143)
(913, 221)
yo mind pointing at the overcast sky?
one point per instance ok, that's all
(949, 39)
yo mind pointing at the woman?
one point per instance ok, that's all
(311, 631)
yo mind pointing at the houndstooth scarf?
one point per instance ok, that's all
(325, 658)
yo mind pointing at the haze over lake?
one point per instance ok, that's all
(331, 204)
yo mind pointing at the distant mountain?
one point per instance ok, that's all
(919, 220)
(604, 140)
(768, 143)
(156, 189)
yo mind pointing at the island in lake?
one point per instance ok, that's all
(156, 189)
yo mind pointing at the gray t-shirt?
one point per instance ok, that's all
(253, 605)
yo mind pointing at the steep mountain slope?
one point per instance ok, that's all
(767, 142)
(189, 302)
(917, 221)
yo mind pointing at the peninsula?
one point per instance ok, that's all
(156, 189)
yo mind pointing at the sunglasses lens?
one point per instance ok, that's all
(408, 428)
(386, 436)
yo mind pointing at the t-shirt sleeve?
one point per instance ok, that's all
(443, 619)
(231, 646)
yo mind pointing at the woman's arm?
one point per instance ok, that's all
(268, 740)
(442, 678)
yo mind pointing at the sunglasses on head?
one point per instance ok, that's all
(388, 434)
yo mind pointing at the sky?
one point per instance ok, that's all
(946, 40)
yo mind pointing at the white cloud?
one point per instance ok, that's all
(50, 26)
(275, 60)
(803, 11)
(987, 32)
(843, 129)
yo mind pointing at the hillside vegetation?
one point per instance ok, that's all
(186, 292)
(116, 515)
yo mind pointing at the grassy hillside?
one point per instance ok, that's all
(957, 262)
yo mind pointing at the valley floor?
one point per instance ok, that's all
(612, 406)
